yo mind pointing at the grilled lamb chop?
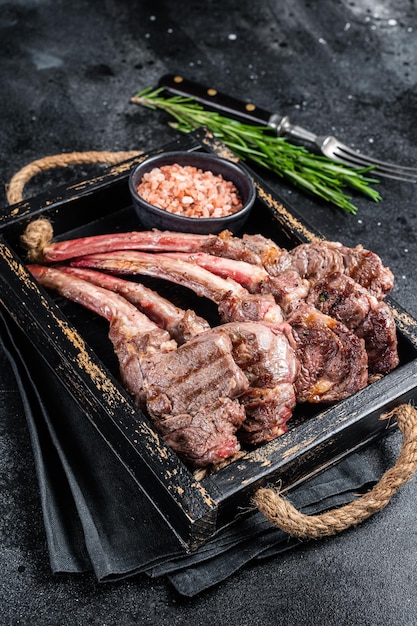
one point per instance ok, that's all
(334, 362)
(263, 351)
(223, 244)
(337, 295)
(352, 375)
(369, 318)
(288, 288)
(314, 260)
(190, 392)
(324, 258)
(131, 333)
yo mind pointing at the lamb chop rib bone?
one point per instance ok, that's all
(310, 260)
(190, 392)
(320, 380)
(234, 302)
(263, 351)
(288, 288)
(181, 324)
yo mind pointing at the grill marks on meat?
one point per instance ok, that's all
(290, 276)
(190, 392)
(269, 364)
(190, 395)
(336, 295)
(370, 319)
(265, 352)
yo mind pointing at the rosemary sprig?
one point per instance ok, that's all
(313, 173)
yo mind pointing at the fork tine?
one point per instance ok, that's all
(383, 168)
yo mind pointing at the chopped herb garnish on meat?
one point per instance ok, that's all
(323, 296)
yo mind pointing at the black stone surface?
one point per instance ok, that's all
(67, 72)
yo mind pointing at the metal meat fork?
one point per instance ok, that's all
(328, 145)
(336, 150)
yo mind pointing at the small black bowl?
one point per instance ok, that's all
(154, 217)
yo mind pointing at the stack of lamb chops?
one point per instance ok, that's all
(163, 379)
(306, 325)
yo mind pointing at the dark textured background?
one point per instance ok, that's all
(67, 72)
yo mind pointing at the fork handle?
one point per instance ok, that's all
(214, 100)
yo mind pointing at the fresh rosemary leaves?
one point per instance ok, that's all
(313, 173)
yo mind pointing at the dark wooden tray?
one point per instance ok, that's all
(75, 346)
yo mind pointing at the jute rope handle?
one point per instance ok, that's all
(21, 178)
(277, 510)
(281, 513)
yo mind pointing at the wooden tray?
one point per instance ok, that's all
(75, 346)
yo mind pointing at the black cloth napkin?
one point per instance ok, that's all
(96, 517)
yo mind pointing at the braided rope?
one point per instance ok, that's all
(285, 516)
(20, 179)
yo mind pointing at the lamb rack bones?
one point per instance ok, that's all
(310, 260)
(321, 380)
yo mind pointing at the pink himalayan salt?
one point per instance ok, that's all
(189, 191)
